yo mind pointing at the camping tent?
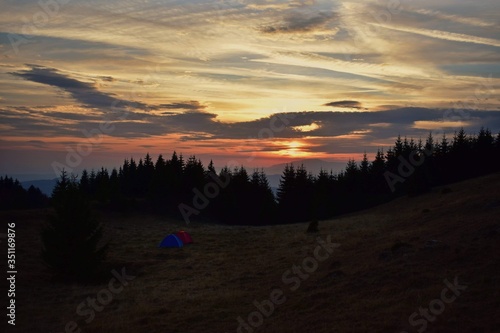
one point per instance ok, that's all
(171, 241)
(184, 237)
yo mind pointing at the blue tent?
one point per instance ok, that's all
(171, 241)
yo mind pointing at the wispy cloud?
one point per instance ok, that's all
(83, 92)
(346, 104)
(445, 35)
(89, 94)
(190, 105)
(474, 21)
(299, 22)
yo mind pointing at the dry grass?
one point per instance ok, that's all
(379, 276)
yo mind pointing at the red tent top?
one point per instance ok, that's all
(184, 237)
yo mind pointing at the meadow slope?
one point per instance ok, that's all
(392, 260)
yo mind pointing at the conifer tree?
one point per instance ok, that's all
(72, 235)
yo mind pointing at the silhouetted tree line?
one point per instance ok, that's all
(161, 186)
(237, 197)
(246, 199)
(14, 196)
(408, 167)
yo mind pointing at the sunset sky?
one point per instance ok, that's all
(243, 82)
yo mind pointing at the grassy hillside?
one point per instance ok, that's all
(392, 260)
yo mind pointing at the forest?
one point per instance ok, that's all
(14, 196)
(185, 188)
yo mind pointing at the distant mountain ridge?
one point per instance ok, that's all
(312, 165)
(45, 185)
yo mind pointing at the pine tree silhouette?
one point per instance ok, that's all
(14, 196)
(72, 235)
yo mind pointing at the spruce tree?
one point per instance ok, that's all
(72, 235)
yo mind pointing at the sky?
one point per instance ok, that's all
(87, 83)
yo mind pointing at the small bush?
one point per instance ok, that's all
(313, 226)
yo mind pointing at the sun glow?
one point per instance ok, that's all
(293, 149)
(294, 145)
